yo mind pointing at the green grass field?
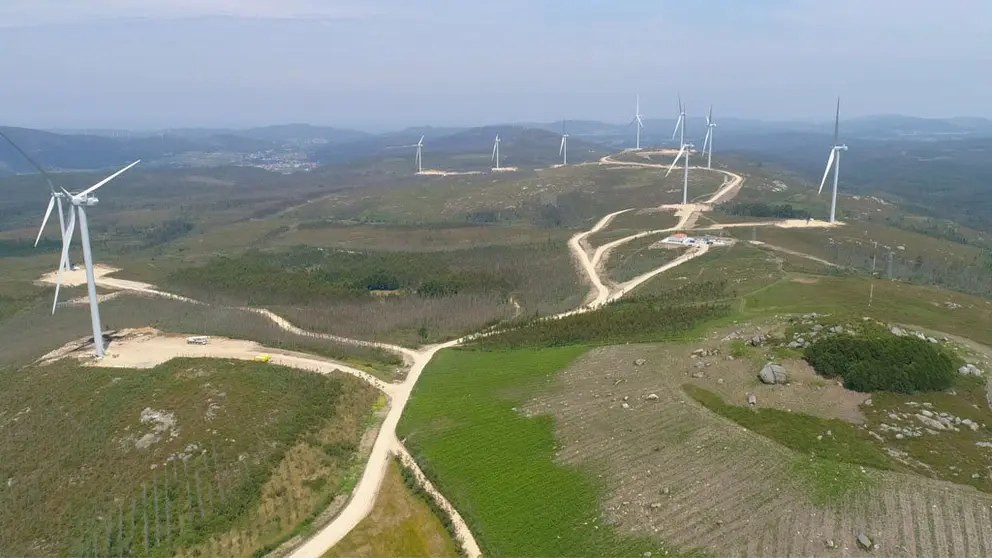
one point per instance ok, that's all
(113, 461)
(498, 467)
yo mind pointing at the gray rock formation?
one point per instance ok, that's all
(773, 374)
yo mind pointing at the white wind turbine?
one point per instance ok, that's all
(55, 199)
(638, 121)
(684, 150)
(834, 162)
(680, 123)
(563, 150)
(420, 160)
(708, 140)
(78, 203)
(495, 157)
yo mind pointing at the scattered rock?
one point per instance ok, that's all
(757, 341)
(864, 543)
(900, 436)
(930, 423)
(773, 374)
(626, 398)
(699, 364)
(640, 362)
(795, 345)
(719, 381)
(976, 476)
(817, 327)
(984, 444)
(830, 544)
(897, 331)
(752, 401)
(837, 329)
(970, 424)
(697, 374)
(625, 406)
(868, 402)
(652, 397)
(926, 413)
(931, 340)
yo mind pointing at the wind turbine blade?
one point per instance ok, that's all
(48, 212)
(562, 148)
(706, 139)
(495, 147)
(826, 173)
(108, 179)
(640, 123)
(30, 160)
(837, 123)
(677, 124)
(676, 161)
(65, 253)
(421, 142)
(709, 117)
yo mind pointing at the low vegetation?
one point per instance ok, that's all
(830, 439)
(497, 466)
(186, 455)
(882, 363)
(634, 319)
(402, 523)
(640, 256)
(763, 210)
(490, 284)
(24, 344)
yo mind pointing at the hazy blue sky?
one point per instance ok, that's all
(378, 64)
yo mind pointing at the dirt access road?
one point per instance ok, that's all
(386, 443)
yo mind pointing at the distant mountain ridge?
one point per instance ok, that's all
(327, 145)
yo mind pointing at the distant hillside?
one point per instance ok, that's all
(469, 149)
(949, 179)
(302, 134)
(75, 152)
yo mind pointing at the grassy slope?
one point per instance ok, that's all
(68, 445)
(401, 524)
(498, 467)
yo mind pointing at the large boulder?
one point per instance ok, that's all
(773, 374)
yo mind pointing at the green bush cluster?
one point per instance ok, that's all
(882, 363)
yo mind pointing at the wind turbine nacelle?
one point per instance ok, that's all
(88, 201)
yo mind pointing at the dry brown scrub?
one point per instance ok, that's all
(680, 473)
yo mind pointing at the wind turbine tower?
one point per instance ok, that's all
(496, 151)
(78, 204)
(684, 149)
(708, 140)
(834, 162)
(563, 150)
(55, 199)
(420, 160)
(638, 121)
